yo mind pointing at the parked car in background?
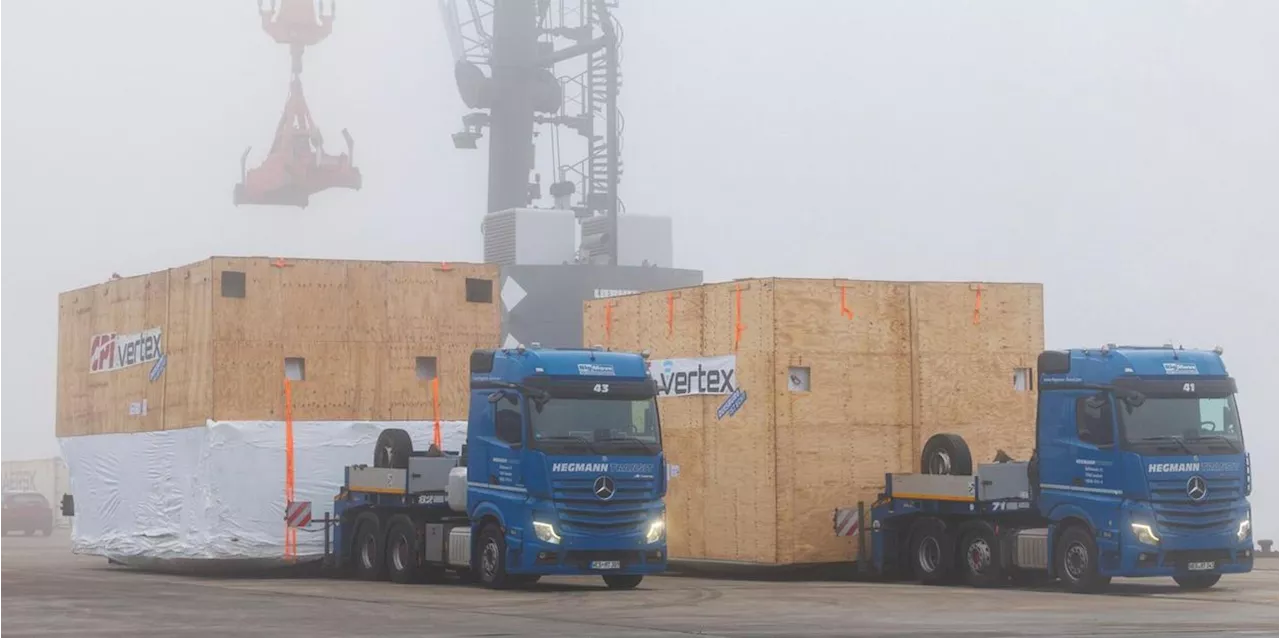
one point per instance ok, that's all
(26, 512)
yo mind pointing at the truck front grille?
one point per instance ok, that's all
(580, 509)
(1175, 510)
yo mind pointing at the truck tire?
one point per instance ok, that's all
(491, 558)
(623, 581)
(1076, 561)
(946, 454)
(393, 449)
(979, 557)
(368, 549)
(402, 551)
(1197, 581)
(932, 552)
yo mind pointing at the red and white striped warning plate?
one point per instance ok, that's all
(298, 514)
(846, 521)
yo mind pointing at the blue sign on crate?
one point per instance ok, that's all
(158, 368)
(732, 404)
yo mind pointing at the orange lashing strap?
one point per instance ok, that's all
(290, 533)
(977, 304)
(435, 411)
(845, 311)
(738, 326)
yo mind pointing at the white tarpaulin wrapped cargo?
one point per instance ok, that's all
(215, 492)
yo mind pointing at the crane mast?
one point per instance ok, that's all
(522, 42)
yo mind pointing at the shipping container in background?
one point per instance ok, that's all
(48, 477)
(831, 384)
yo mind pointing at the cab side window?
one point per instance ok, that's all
(507, 421)
(1093, 420)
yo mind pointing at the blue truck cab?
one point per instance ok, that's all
(565, 473)
(1143, 447)
(1139, 469)
(562, 474)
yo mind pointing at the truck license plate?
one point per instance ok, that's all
(1200, 567)
(606, 564)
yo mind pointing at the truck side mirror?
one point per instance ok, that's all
(1135, 399)
(506, 425)
(68, 505)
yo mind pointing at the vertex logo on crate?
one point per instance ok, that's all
(111, 351)
(703, 375)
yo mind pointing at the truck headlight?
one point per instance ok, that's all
(656, 530)
(1242, 532)
(546, 532)
(1144, 533)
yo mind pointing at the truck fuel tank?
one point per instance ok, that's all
(456, 489)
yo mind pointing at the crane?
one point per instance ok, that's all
(296, 166)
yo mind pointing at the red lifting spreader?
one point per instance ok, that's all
(295, 25)
(297, 166)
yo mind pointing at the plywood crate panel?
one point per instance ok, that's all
(358, 325)
(890, 364)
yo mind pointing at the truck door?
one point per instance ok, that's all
(507, 444)
(1077, 448)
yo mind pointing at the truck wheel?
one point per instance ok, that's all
(931, 552)
(1077, 561)
(393, 449)
(946, 454)
(979, 558)
(1197, 581)
(491, 558)
(402, 552)
(623, 581)
(369, 554)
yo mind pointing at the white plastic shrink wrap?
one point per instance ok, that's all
(215, 492)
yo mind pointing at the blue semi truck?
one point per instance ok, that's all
(1139, 469)
(562, 474)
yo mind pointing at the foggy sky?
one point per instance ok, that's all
(1124, 154)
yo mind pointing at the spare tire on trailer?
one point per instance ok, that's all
(946, 454)
(393, 449)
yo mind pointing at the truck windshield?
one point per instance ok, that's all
(1195, 425)
(600, 426)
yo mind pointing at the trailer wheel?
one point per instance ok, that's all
(368, 552)
(932, 552)
(979, 558)
(402, 552)
(393, 449)
(623, 581)
(1197, 581)
(491, 558)
(946, 454)
(1077, 561)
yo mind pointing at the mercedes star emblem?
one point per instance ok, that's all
(1197, 488)
(604, 488)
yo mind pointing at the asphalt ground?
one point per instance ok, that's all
(47, 591)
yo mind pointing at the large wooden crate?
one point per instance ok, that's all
(227, 324)
(888, 364)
